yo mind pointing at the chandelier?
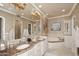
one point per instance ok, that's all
(35, 14)
(19, 6)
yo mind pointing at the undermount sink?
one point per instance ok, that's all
(23, 46)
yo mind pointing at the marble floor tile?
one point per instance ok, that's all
(59, 52)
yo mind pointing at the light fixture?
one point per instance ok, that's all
(2, 45)
(40, 6)
(46, 14)
(35, 14)
(63, 10)
(19, 6)
(22, 14)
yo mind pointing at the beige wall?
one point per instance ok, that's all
(10, 24)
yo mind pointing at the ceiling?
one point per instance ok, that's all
(48, 9)
(55, 9)
(26, 12)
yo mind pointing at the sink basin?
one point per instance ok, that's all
(23, 46)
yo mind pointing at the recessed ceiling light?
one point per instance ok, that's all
(1, 5)
(63, 10)
(40, 6)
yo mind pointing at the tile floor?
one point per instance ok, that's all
(60, 51)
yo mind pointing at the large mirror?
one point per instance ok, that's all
(2, 28)
(29, 29)
(36, 28)
(18, 29)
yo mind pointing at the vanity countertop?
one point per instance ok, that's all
(14, 51)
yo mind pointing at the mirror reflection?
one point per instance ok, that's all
(18, 29)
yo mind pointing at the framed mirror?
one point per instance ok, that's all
(56, 26)
(2, 28)
(18, 29)
(29, 29)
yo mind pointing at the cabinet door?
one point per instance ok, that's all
(42, 48)
(35, 53)
(31, 52)
(68, 41)
(23, 54)
(37, 50)
(46, 45)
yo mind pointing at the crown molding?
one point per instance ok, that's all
(72, 9)
(59, 16)
(10, 12)
(26, 18)
(5, 10)
(37, 8)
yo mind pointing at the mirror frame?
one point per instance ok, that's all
(31, 28)
(3, 28)
(21, 29)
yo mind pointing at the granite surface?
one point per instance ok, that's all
(14, 51)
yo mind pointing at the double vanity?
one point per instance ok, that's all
(37, 48)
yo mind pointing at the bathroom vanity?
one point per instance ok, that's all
(35, 49)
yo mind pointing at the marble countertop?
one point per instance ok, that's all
(14, 51)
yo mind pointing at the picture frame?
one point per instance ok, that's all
(56, 26)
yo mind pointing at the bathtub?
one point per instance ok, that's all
(55, 42)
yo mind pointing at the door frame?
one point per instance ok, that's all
(3, 28)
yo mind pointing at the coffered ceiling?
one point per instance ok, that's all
(48, 9)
